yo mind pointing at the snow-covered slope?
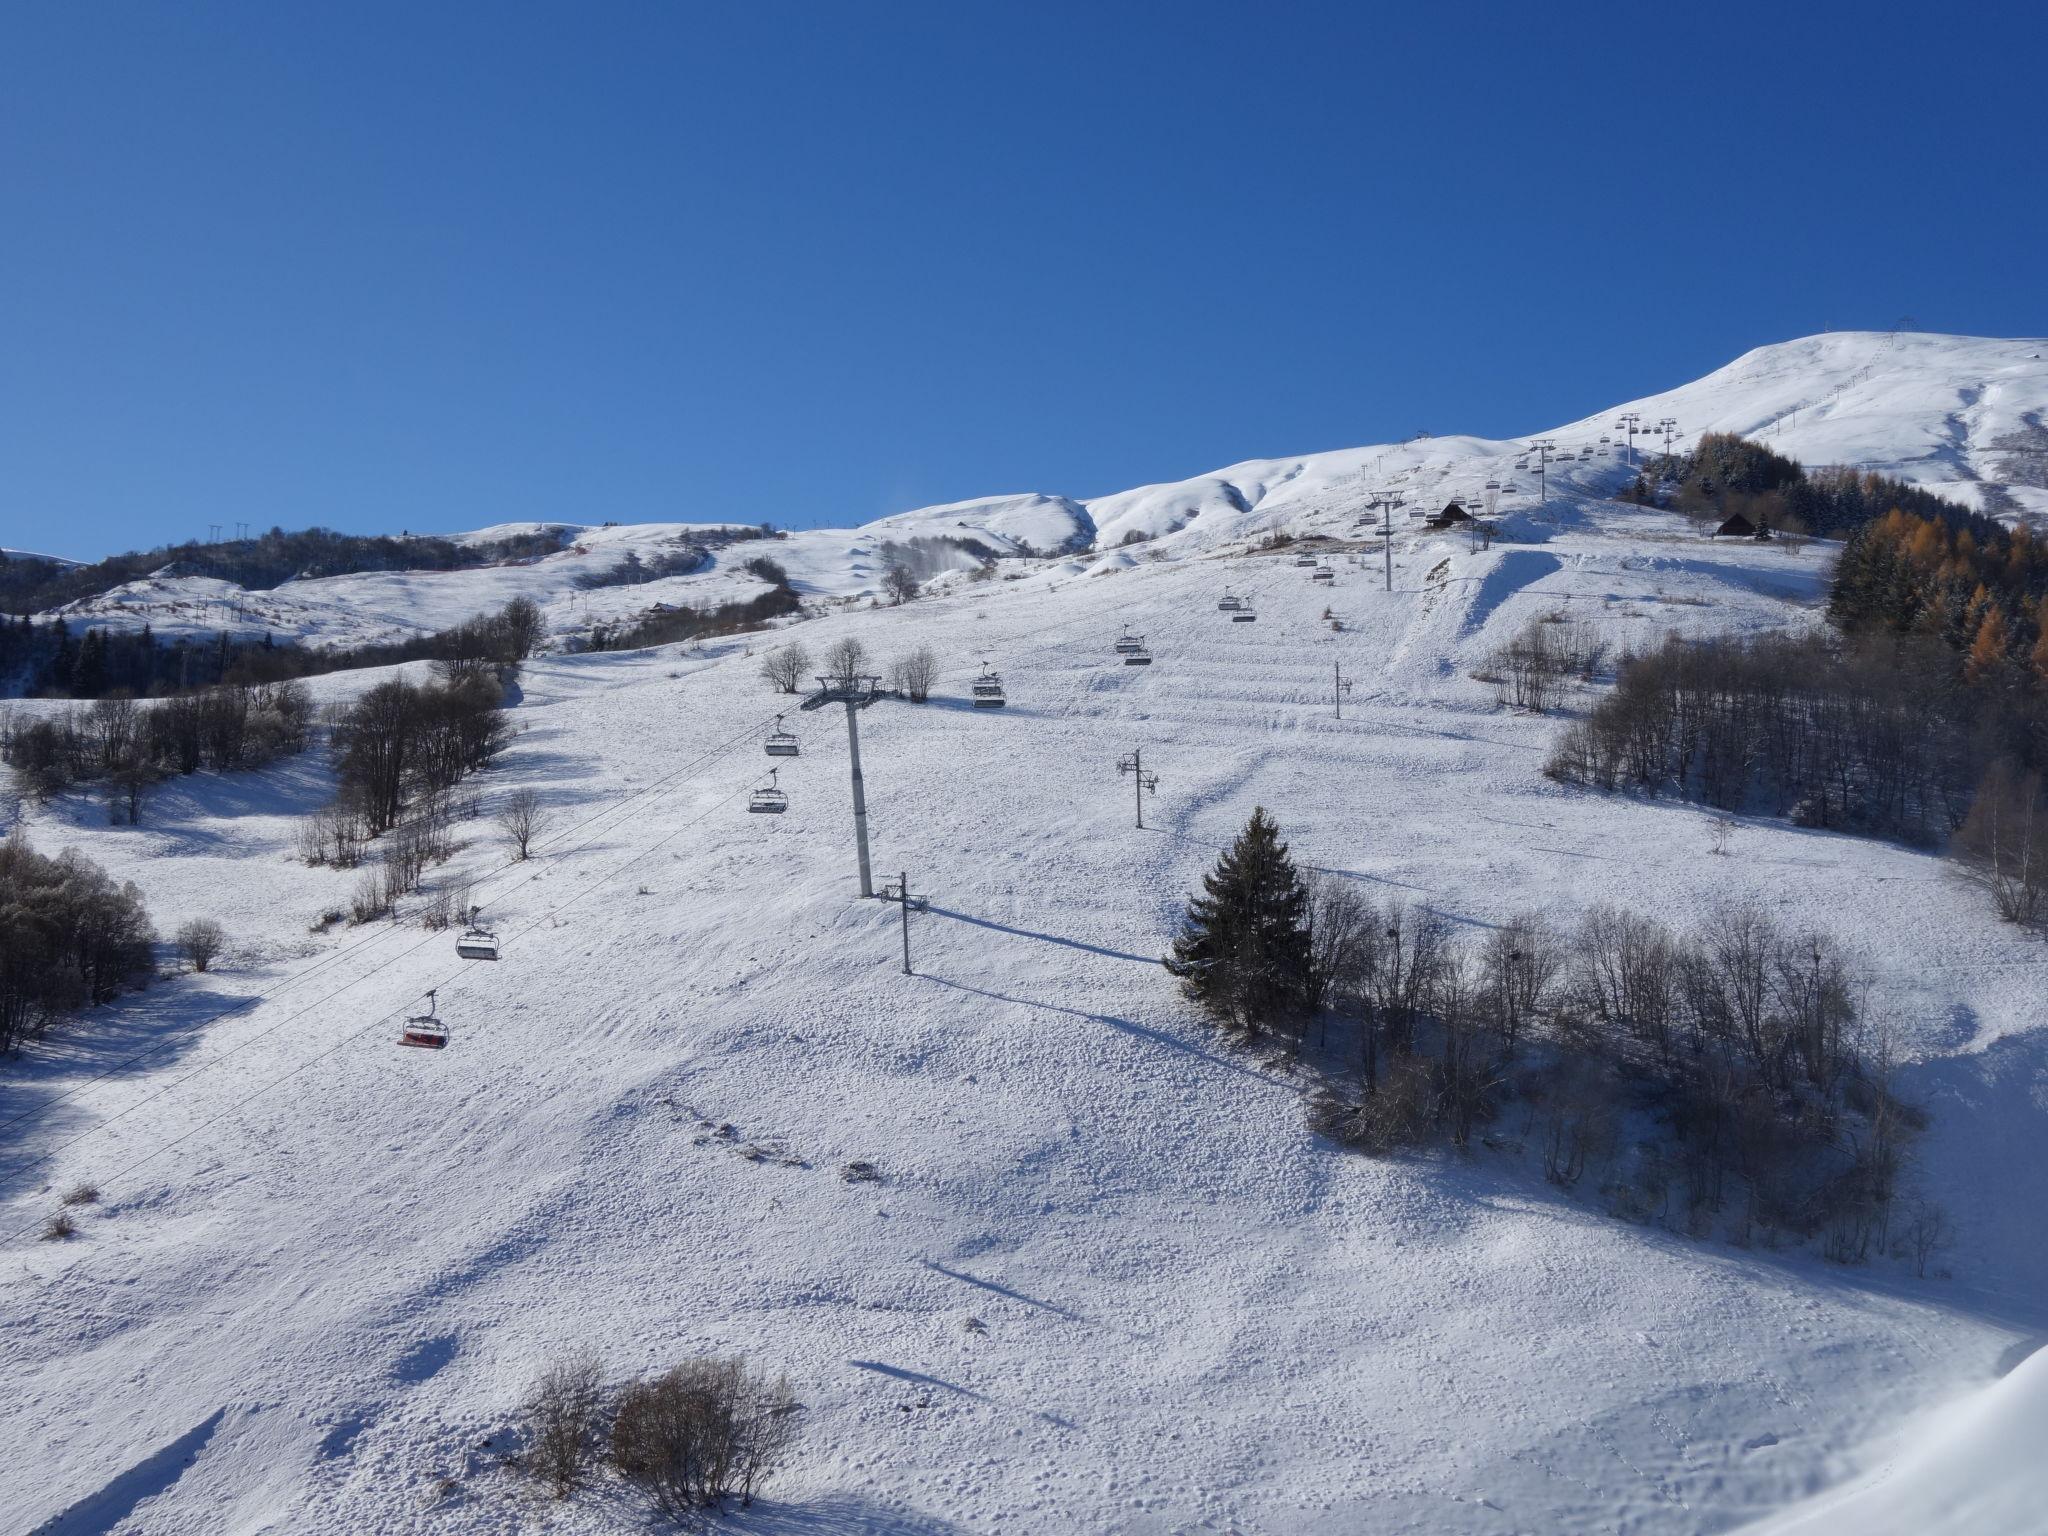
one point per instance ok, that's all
(1107, 1280)
(1961, 415)
(1953, 1471)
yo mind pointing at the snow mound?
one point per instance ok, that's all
(1975, 1467)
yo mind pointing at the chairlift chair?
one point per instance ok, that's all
(781, 743)
(1140, 657)
(1127, 642)
(1244, 615)
(424, 1030)
(477, 944)
(1324, 574)
(1304, 559)
(988, 690)
(1228, 603)
(767, 800)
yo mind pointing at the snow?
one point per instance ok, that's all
(325, 1269)
(1959, 1471)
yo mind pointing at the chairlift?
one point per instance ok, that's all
(1493, 485)
(1127, 642)
(424, 1030)
(1244, 614)
(1138, 656)
(988, 690)
(780, 743)
(1324, 574)
(477, 944)
(1228, 603)
(1304, 559)
(767, 800)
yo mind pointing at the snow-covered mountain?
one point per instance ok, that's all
(1106, 1277)
(1961, 415)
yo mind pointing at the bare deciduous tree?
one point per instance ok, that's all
(900, 582)
(916, 673)
(200, 941)
(846, 658)
(522, 818)
(787, 666)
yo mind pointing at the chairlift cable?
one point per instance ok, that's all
(451, 981)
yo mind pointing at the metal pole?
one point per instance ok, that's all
(860, 799)
(1387, 538)
(1138, 783)
(905, 894)
(1339, 693)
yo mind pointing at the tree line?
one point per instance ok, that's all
(128, 746)
(48, 660)
(1726, 473)
(1743, 1044)
(263, 562)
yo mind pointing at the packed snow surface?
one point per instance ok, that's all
(1105, 1279)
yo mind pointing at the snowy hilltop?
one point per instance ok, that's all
(1961, 416)
(1037, 1246)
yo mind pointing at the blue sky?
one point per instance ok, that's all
(430, 266)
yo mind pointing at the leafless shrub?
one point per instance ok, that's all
(860, 1172)
(59, 1227)
(1925, 1232)
(200, 941)
(434, 913)
(368, 901)
(702, 1432)
(1532, 670)
(82, 1194)
(522, 819)
(562, 1410)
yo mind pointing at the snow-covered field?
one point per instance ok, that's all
(1961, 415)
(326, 1268)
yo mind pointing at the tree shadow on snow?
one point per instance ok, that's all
(1140, 1031)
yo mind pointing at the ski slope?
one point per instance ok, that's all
(1963, 416)
(1107, 1280)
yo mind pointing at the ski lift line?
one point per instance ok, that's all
(449, 983)
(332, 957)
(212, 1061)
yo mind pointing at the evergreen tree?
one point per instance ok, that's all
(1243, 950)
(89, 673)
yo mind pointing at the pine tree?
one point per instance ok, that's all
(89, 673)
(1243, 950)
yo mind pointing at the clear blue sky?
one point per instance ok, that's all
(433, 265)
